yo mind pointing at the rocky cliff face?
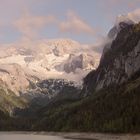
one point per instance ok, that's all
(79, 62)
(119, 63)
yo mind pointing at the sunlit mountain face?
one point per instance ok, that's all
(38, 42)
(55, 59)
(70, 65)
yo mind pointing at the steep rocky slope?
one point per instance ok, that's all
(119, 63)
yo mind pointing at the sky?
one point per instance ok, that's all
(86, 21)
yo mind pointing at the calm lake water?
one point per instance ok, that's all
(64, 136)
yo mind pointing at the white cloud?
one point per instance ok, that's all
(135, 15)
(75, 24)
(29, 25)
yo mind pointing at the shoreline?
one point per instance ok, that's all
(76, 135)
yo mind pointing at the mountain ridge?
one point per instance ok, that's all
(120, 62)
(46, 60)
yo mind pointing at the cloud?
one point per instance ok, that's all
(130, 3)
(75, 24)
(111, 6)
(134, 15)
(29, 25)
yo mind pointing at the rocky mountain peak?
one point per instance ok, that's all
(58, 58)
(125, 19)
(120, 62)
(122, 21)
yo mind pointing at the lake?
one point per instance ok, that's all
(64, 136)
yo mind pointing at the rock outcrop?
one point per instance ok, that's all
(119, 63)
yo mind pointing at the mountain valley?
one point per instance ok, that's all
(67, 87)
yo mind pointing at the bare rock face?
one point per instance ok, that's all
(121, 22)
(120, 62)
(132, 62)
(82, 61)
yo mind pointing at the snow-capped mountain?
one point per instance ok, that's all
(21, 63)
